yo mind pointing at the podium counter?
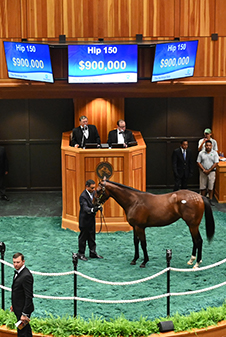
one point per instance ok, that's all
(79, 165)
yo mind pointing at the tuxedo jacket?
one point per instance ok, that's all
(3, 161)
(113, 137)
(86, 216)
(77, 135)
(22, 293)
(181, 167)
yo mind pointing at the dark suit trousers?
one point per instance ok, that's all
(87, 234)
(180, 183)
(26, 331)
(2, 185)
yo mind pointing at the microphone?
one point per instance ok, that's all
(85, 127)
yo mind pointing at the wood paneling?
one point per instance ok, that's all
(220, 185)
(85, 20)
(118, 18)
(219, 123)
(197, 17)
(204, 66)
(220, 57)
(10, 18)
(44, 18)
(220, 22)
(103, 113)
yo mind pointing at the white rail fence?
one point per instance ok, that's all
(123, 284)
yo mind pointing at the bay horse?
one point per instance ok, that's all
(144, 209)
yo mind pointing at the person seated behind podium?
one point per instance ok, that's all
(120, 135)
(85, 133)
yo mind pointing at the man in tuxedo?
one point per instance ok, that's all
(120, 135)
(87, 222)
(182, 165)
(85, 133)
(22, 294)
(3, 172)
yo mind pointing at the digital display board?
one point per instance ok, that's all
(105, 63)
(28, 61)
(174, 60)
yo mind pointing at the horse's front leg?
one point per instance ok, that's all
(136, 246)
(146, 258)
(141, 234)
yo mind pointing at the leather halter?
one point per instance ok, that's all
(102, 194)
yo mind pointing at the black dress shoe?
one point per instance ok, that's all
(4, 197)
(82, 257)
(95, 256)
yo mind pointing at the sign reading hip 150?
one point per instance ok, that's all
(102, 63)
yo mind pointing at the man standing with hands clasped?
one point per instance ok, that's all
(182, 165)
(87, 222)
(207, 161)
(22, 294)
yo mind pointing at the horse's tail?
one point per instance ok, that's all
(210, 224)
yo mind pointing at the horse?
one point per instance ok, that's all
(144, 209)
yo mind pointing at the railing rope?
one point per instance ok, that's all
(76, 273)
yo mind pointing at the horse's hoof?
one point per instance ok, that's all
(133, 262)
(191, 261)
(197, 264)
(142, 265)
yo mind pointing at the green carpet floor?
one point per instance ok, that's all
(48, 248)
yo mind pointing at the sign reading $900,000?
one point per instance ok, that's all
(174, 60)
(102, 63)
(28, 61)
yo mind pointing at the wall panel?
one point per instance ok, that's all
(205, 58)
(10, 18)
(44, 18)
(219, 123)
(118, 19)
(220, 23)
(220, 57)
(197, 17)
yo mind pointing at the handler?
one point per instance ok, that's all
(87, 222)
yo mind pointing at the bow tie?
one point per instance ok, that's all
(15, 272)
(121, 132)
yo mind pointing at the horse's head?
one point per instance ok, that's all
(101, 193)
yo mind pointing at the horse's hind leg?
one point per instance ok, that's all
(193, 255)
(136, 246)
(197, 245)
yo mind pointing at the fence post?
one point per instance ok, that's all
(2, 250)
(168, 258)
(75, 262)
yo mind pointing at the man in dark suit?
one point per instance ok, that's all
(3, 172)
(22, 294)
(85, 133)
(182, 165)
(87, 222)
(120, 135)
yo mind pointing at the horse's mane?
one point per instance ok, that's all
(121, 185)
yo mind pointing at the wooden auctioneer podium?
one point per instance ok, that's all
(79, 165)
